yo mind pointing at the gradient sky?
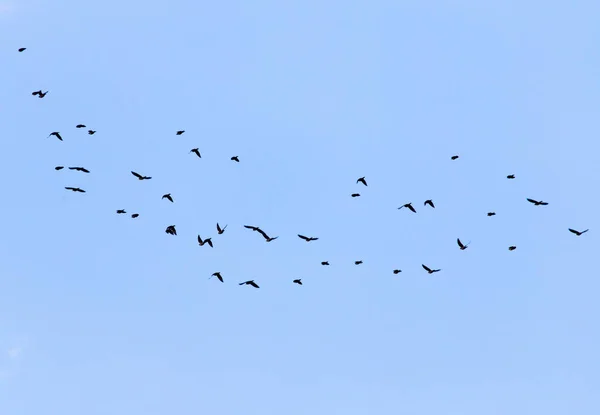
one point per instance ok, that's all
(104, 314)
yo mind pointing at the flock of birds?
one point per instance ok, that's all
(220, 230)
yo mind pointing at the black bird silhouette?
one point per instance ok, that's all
(577, 232)
(205, 241)
(168, 197)
(75, 189)
(357, 262)
(251, 282)
(135, 215)
(461, 245)
(235, 158)
(454, 157)
(429, 270)
(510, 176)
(218, 275)
(80, 126)
(306, 238)
(22, 49)
(429, 202)
(362, 180)
(491, 213)
(91, 132)
(120, 211)
(196, 152)
(397, 271)
(42, 94)
(298, 281)
(512, 248)
(171, 230)
(180, 132)
(355, 194)
(325, 263)
(140, 177)
(535, 202)
(56, 134)
(59, 167)
(220, 230)
(257, 229)
(409, 206)
(82, 169)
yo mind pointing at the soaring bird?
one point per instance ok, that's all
(205, 241)
(91, 132)
(135, 215)
(362, 180)
(235, 158)
(56, 134)
(257, 229)
(42, 94)
(325, 263)
(306, 238)
(140, 177)
(461, 245)
(121, 211)
(75, 189)
(22, 49)
(429, 202)
(510, 176)
(59, 167)
(577, 232)
(512, 248)
(251, 282)
(180, 132)
(535, 202)
(171, 230)
(491, 213)
(429, 270)
(454, 157)
(218, 275)
(298, 281)
(196, 152)
(409, 206)
(82, 169)
(220, 230)
(355, 194)
(80, 126)
(168, 197)
(397, 271)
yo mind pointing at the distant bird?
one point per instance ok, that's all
(59, 167)
(298, 281)
(220, 230)
(257, 229)
(429, 202)
(135, 215)
(75, 189)
(306, 238)
(56, 134)
(397, 271)
(82, 169)
(355, 194)
(91, 132)
(168, 197)
(454, 157)
(357, 262)
(180, 132)
(218, 275)
(235, 158)
(22, 49)
(577, 232)
(535, 202)
(461, 245)
(510, 176)
(196, 152)
(429, 270)
(512, 248)
(491, 213)
(409, 206)
(80, 126)
(140, 177)
(121, 211)
(251, 282)
(325, 263)
(171, 230)
(362, 180)
(39, 93)
(205, 241)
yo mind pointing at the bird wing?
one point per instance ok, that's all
(139, 176)
(585, 231)
(219, 277)
(219, 228)
(199, 239)
(250, 227)
(70, 188)
(459, 243)
(532, 201)
(210, 243)
(242, 283)
(83, 169)
(314, 239)
(412, 208)
(303, 237)
(262, 233)
(573, 231)
(426, 268)
(252, 283)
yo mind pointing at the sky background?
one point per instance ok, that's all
(104, 314)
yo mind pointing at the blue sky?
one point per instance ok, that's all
(101, 313)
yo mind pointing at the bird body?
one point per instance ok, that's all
(307, 239)
(171, 230)
(236, 159)
(56, 134)
(510, 176)
(59, 167)
(81, 169)
(75, 189)
(218, 275)
(361, 180)
(409, 206)
(512, 248)
(537, 203)
(325, 263)
(397, 271)
(461, 245)
(429, 270)
(251, 282)
(491, 213)
(357, 262)
(91, 132)
(220, 230)
(80, 126)
(121, 211)
(355, 194)
(298, 281)
(577, 232)
(168, 197)
(429, 202)
(196, 152)
(454, 157)
(22, 49)
(135, 215)
(202, 242)
(140, 177)
(180, 132)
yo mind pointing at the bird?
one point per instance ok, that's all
(510, 176)
(140, 177)
(75, 189)
(251, 282)
(82, 169)
(235, 158)
(461, 245)
(171, 230)
(325, 263)
(59, 167)
(56, 134)
(409, 206)
(355, 194)
(220, 230)
(80, 126)
(429, 270)
(397, 271)
(218, 275)
(491, 213)
(454, 157)
(512, 248)
(206, 241)
(22, 49)
(180, 132)
(535, 202)
(91, 132)
(135, 215)
(121, 211)
(307, 239)
(429, 202)
(577, 232)
(196, 152)
(257, 229)
(298, 281)
(357, 262)
(362, 180)
(42, 94)
(168, 197)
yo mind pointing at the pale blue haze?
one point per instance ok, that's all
(103, 314)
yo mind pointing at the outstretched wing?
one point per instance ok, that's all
(252, 283)
(262, 233)
(532, 201)
(139, 176)
(460, 244)
(303, 237)
(426, 268)
(412, 208)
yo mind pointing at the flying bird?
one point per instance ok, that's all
(140, 177)
(429, 202)
(357, 262)
(218, 275)
(42, 94)
(82, 169)
(220, 230)
(59, 167)
(461, 245)
(80, 126)
(510, 176)
(135, 215)
(22, 49)
(251, 282)
(75, 189)
(180, 132)
(429, 270)
(121, 211)
(235, 158)
(535, 202)
(409, 206)
(257, 229)
(168, 197)
(196, 152)
(355, 194)
(91, 132)
(205, 241)
(307, 239)
(56, 134)
(298, 281)
(397, 271)
(577, 232)
(491, 213)
(325, 263)
(362, 180)
(171, 230)
(512, 248)
(454, 157)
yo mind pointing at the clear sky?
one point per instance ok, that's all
(104, 314)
